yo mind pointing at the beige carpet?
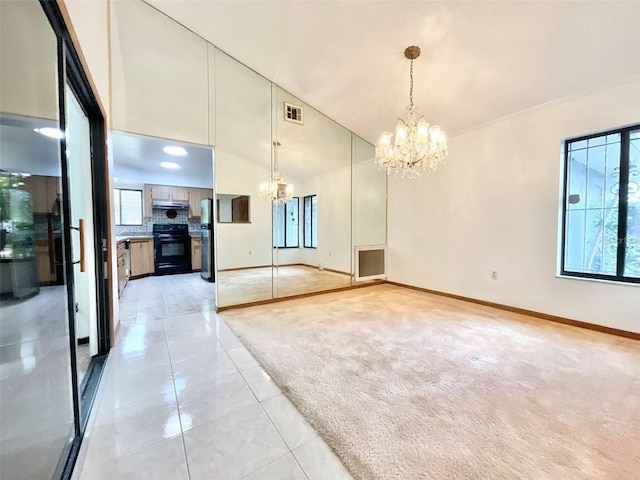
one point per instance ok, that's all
(407, 385)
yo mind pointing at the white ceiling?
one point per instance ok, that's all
(480, 60)
(136, 159)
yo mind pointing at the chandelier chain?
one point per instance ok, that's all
(411, 83)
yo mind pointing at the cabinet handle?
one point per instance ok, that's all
(80, 228)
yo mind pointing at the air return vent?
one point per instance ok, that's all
(293, 113)
(371, 262)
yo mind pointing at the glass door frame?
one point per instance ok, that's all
(71, 72)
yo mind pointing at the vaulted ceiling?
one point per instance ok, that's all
(480, 60)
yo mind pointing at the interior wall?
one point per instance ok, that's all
(495, 206)
(243, 245)
(90, 21)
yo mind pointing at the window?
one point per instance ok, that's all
(310, 222)
(285, 235)
(128, 206)
(601, 208)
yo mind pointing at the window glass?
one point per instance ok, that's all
(128, 206)
(310, 222)
(285, 234)
(632, 244)
(595, 216)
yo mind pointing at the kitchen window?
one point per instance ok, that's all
(128, 205)
(601, 206)
(310, 222)
(286, 233)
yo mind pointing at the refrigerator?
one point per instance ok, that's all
(206, 229)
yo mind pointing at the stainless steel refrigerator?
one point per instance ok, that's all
(206, 226)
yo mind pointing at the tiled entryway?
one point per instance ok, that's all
(182, 398)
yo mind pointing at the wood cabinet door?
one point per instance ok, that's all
(196, 254)
(147, 255)
(180, 193)
(43, 190)
(161, 192)
(148, 200)
(135, 252)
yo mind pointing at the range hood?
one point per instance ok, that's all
(171, 204)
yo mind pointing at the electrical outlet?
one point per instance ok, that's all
(320, 266)
(494, 274)
(249, 252)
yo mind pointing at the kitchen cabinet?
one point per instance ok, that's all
(44, 191)
(162, 192)
(160, 83)
(148, 200)
(141, 252)
(122, 268)
(44, 262)
(196, 253)
(196, 195)
(169, 192)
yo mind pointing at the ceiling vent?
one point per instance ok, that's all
(293, 113)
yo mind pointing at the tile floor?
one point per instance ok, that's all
(182, 398)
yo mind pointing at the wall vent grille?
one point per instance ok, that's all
(293, 113)
(371, 262)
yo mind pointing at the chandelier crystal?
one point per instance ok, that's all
(276, 189)
(417, 147)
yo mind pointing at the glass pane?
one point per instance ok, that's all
(291, 223)
(578, 145)
(116, 202)
(278, 231)
(131, 207)
(307, 221)
(84, 268)
(632, 249)
(36, 403)
(314, 221)
(596, 177)
(574, 244)
(577, 183)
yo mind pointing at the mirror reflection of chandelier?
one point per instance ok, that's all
(417, 147)
(276, 189)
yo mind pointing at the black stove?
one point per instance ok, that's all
(172, 248)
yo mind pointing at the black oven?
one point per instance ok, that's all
(172, 248)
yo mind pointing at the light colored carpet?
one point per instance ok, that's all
(408, 385)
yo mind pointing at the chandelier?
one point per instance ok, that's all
(276, 189)
(417, 147)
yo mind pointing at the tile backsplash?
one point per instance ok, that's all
(159, 216)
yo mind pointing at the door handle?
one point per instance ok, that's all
(80, 228)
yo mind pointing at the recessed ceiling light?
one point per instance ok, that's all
(49, 132)
(173, 150)
(170, 165)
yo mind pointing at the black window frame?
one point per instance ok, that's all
(297, 245)
(304, 222)
(119, 220)
(623, 205)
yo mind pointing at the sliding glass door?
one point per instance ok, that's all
(54, 316)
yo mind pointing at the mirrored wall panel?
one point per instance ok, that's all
(242, 163)
(310, 189)
(312, 222)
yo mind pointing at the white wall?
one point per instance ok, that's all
(494, 206)
(90, 21)
(242, 245)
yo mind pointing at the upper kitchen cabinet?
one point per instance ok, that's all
(159, 75)
(196, 195)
